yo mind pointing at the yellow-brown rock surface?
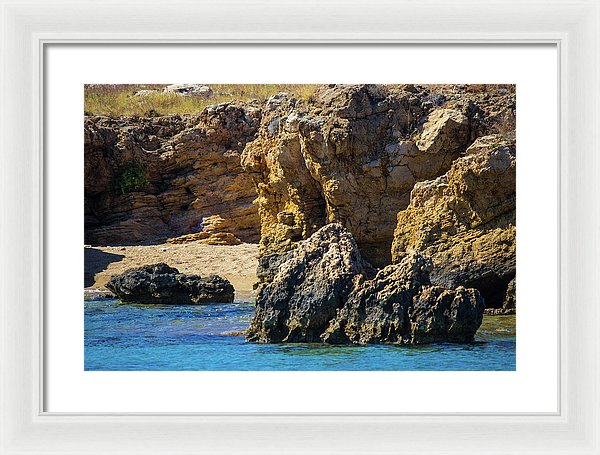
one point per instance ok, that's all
(346, 157)
(465, 220)
(158, 177)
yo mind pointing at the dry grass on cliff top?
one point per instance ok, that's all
(117, 100)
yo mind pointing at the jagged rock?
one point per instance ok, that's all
(352, 154)
(377, 310)
(308, 289)
(445, 130)
(399, 306)
(440, 314)
(161, 284)
(465, 221)
(326, 292)
(268, 266)
(154, 178)
(488, 143)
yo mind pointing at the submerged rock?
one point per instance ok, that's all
(326, 292)
(161, 284)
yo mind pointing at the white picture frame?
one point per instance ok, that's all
(27, 26)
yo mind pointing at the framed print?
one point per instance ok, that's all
(299, 228)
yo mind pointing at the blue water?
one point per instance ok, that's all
(125, 337)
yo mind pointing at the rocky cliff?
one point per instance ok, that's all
(158, 177)
(352, 155)
(465, 220)
(403, 168)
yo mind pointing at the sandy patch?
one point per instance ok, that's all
(237, 263)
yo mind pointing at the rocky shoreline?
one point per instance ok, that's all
(384, 214)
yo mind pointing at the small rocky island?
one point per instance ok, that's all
(164, 285)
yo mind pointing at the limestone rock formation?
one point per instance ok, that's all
(352, 154)
(208, 238)
(159, 177)
(310, 286)
(161, 284)
(326, 292)
(465, 220)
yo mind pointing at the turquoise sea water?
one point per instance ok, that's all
(125, 337)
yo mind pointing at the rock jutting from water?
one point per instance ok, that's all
(326, 292)
(164, 285)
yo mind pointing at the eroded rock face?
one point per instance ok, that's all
(326, 292)
(308, 289)
(164, 285)
(377, 310)
(399, 306)
(465, 221)
(159, 177)
(351, 155)
(440, 314)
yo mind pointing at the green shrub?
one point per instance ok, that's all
(129, 177)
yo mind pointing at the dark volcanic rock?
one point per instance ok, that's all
(399, 306)
(161, 284)
(377, 310)
(269, 265)
(440, 314)
(326, 292)
(308, 289)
